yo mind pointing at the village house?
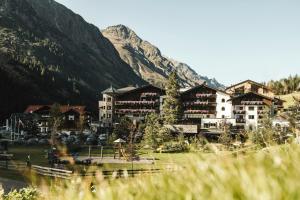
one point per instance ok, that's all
(133, 102)
(73, 117)
(207, 107)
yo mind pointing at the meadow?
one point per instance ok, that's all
(269, 173)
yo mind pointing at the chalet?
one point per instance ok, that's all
(250, 109)
(249, 86)
(206, 106)
(74, 117)
(132, 102)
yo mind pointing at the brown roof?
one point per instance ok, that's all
(203, 85)
(253, 82)
(63, 108)
(260, 95)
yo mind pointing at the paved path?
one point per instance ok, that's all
(9, 185)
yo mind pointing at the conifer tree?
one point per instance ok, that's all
(172, 103)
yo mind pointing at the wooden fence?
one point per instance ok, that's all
(10, 165)
(51, 172)
(66, 174)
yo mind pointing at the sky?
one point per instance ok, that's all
(230, 40)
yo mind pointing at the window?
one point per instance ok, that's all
(251, 108)
(109, 116)
(251, 116)
(108, 107)
(104, 99)
(223, 100)
(223, 108)
(71, 117)
(109, 99)
(241, 108)
(207, 116)
(223, 116)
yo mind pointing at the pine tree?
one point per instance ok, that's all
(151, 136)
(172, 104)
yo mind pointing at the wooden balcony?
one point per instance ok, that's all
(239, 112)
(200, 95)
(199, 103)
(199, 112)
(135, 111)
(240, 121)
(150, 94)
(252, 102)
(137, 102)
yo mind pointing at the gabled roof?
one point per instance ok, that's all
(110, 90)
(126, 89)
(203, 85)
(249, 93)
(63, 108)
(140, 88)
(253, 82)
(34, 108)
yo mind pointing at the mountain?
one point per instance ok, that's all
(148, 62)
(50, 54)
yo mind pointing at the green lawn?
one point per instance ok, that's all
(37, 154)
(161, 160)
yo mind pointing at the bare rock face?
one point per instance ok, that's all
(148, 62)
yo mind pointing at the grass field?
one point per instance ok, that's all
(289, 99)
(270, 173)
(37, 154)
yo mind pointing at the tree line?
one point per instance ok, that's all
(285, 85)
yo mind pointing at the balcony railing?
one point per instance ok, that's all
(252, 102)
(261, 112)
(239, 112)
(204, 103)
(149, 94)
(124, 111)
(198, 112)
(200, 95)
(240, 121)
(136, 102)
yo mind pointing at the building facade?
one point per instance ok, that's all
(242, 105)
(73, 117)
(133, 102)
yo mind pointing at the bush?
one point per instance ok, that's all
(23, 194)
(174, 147)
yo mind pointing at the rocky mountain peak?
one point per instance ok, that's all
(147, 60)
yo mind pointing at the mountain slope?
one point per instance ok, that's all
(147, 60)
(50, 54)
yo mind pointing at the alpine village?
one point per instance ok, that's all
(90, 114)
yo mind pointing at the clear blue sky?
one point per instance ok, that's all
(230, 40)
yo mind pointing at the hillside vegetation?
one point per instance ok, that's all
(50, 54)
(285, 85)
(289, 99)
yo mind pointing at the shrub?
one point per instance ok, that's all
(23, 194)
(174, 147)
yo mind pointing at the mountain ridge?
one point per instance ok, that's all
(46, 60)
(147, 60)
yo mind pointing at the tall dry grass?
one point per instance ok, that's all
(272, 173)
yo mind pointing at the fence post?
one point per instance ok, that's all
(89, 151)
